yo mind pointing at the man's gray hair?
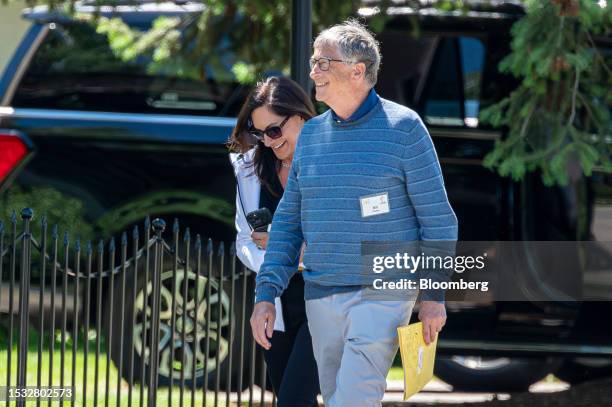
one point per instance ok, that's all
(355, 44)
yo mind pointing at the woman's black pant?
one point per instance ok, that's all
(291, 365)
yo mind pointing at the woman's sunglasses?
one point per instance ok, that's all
(273, 132)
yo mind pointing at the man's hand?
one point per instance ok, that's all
(262, 323)
(260, 239)
(433, 316)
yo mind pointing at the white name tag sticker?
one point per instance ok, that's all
(374, 204)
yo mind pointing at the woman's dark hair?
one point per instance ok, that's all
(282, 96)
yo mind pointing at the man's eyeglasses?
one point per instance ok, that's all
(323, 62)
(273, 132)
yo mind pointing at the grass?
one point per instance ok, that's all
(396, 373)
(84, 385)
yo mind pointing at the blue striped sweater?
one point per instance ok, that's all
(335, 163)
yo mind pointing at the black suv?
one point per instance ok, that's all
(101, 143)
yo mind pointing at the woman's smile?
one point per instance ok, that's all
(276, 147)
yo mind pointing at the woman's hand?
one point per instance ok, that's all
(260, 239)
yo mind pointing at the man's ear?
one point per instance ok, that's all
(359, 70)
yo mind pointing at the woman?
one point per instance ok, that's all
(263, 143)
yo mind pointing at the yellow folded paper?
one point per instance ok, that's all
(417, 358)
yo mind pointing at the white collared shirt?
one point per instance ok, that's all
(248, 190)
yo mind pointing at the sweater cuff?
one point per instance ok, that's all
(433, 295)
(265, 292)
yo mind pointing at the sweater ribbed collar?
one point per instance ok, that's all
(376, 101)
(366, 106)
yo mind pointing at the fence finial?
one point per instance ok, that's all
(159, 225)
(27, 213)
(209, 246)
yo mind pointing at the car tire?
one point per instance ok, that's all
(476, 373)
(579, 370)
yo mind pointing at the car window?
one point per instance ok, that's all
(472, 64)
(74, 68)
(404, 64)
(452, 95)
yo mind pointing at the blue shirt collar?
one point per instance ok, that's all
(367, 105)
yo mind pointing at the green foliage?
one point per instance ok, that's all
(250, 37)
(561, 110)
(59, 209)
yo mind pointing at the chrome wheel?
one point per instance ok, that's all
(175, 354)
(481, 363)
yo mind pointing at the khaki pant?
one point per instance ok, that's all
(354, 340)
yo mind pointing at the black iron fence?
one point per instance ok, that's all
(144, 321)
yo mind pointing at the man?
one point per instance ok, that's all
(364, 170)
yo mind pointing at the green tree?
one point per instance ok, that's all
(561, 109)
